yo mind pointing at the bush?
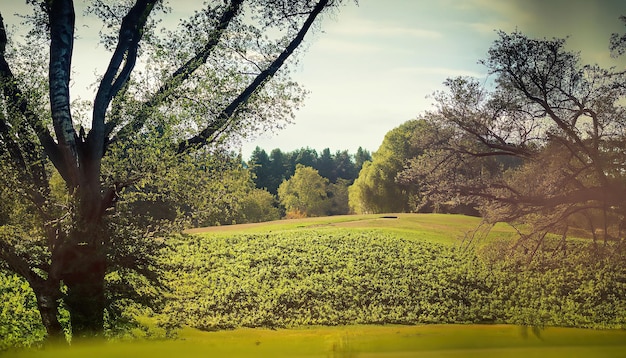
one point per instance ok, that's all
(20, 323)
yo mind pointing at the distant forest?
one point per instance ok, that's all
(270, 170)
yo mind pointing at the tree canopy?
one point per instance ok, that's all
(376, 189)
(270, 170)
(304, 194)
(544, 147)
(78, 171)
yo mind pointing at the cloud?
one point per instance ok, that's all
(392, 31)
(487, 28)
(448, 72)
(365, 28)
(343, 46)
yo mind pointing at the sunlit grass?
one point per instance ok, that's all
(364, 341)
(440, 228)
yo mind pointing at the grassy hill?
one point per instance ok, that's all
(440, 228)
(396, 269)
(365, 286)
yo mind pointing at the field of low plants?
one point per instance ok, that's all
(343, 272)
(378, 271)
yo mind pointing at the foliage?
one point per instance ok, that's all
(360, 157)
(376, 190)
(543, 148)
(338, 195)
(271, 170)
(340, 169)
(20, 324)
(305, 192)
(91, 186)
(259, 164)
(293, 275)
(446, 165)
(258, 206)
(228, 194)
(342, 276)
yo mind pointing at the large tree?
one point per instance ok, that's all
(162, 96)
(376, 190)
(440, 166)
(558, 130)
(305, 193)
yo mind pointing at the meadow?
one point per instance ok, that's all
(371, 286)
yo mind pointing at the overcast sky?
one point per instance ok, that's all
(372, 66)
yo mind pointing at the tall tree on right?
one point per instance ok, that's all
(562, 121)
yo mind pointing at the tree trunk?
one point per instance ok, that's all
(84, 268)
(48, 305)
(85, 300)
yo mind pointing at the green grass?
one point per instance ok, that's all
(440, 228)
(364, 341)
(224, 245)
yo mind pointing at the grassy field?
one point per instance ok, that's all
(225, 271)
(440, 228)
(364, 341)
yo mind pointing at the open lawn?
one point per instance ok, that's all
(364, 341)
(441, 228)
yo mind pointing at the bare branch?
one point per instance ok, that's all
(207, 134)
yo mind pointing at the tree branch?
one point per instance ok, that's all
(17, 100)
(181, 74)
(17, 263)
(207, 134)
(62, 18)
(606, 195)
(11, 146)
(114, 80)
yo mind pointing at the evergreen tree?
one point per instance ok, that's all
(277, 170)
(326, 165)
(344, 167)
(361, 156)
(259, 165)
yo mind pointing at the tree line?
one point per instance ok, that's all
(271, 170)
(307, 183)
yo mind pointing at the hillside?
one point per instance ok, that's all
(443, 228)
(401, 268)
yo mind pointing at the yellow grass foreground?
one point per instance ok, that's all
(363, 341)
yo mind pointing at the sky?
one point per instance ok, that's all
(370, 67)
(375, 64)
